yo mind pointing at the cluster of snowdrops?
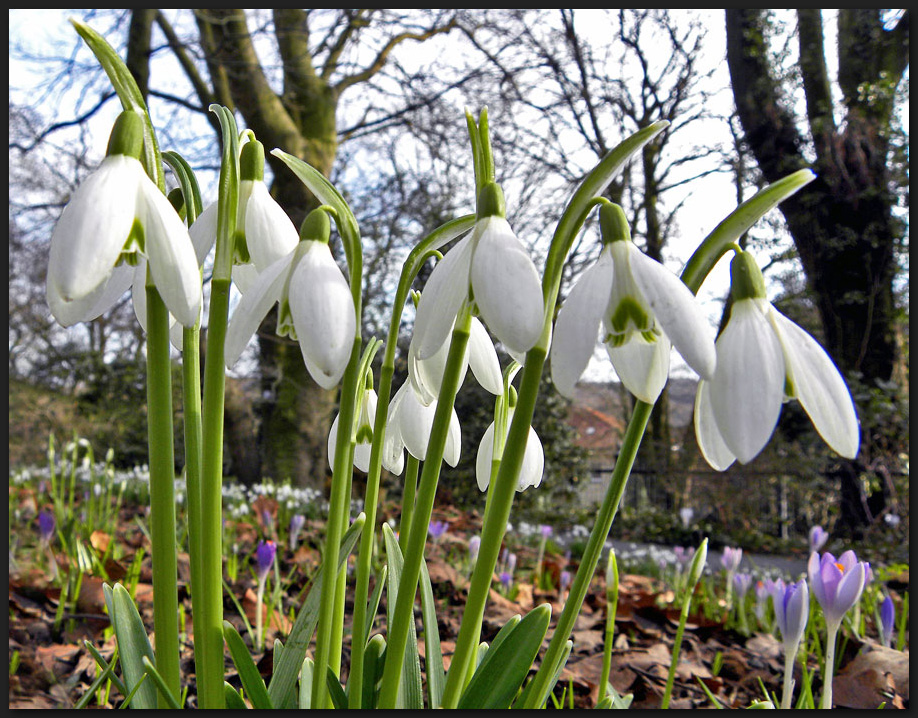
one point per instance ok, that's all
(123, 231)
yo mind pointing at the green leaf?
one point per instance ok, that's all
(252, 682)
(188, 183)
(104, 665)
(373, 605)
(498, 679)
(524, 694)
(335, 691)
(160, 683)
(233, 699)
(106, 674)
(433, 658)
(283, 680)
(307, 675)
(133, 645)
(373, 662)
(410, 693)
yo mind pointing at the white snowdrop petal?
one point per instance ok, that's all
(415, 421)
(323, 314)
(483, 460)
(677, 311)
(203, 232)
(533, 463)
(506, 286)
(93, 228)
(576, 330)
(642, 366)
(711, 443)
(747, 388)
(446, 289)
(453, 448)
(483, 359)
(819, 386)
(253, 306)
(168, 247)
(269, 233)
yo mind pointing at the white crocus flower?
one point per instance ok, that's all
(764, 359)
(119, 214)
(316, 305)
(363, 444)
(426, 375)
(491, 267)
(533, 458)
(643, 309)
(408, 427)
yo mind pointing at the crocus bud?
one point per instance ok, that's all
(264, 558)
(46, 523)
(818, 537)
(296, 523)
(792, 608)
(474, 546)
(887, 620)
(701, 555)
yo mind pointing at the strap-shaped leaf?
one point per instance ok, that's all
(524, 694)
(106, 666)
(410, 694)
(133, 645)
(252, 682)
(105, 674)
(234, 701)
(160, 683)
(433, 658)
(306, 675)
(335, 691)
(373, 605)
(498, 679)
(283, 680)
(373, 662)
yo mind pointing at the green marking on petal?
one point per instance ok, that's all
(240, 249)
(630, 315)
(790, 391)
(133, 245)
(285, 326)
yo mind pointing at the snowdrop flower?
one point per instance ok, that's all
(408, 427)
(764, 359)
(426, 375)
(643, 309)
(316, 306)
(490, 267)
(685, 515)
(533, 458)
(264, 232)
(366, 416)
(114, 218)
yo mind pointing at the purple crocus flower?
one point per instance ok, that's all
(818, 538)
(511, 563)
(296, 523)
(506, 579)
(742, 582)
(837, 583)
(565, 580)
(792, 610)
(730, 559)
(545, 530)
(46, 523)
(437, 529)
(887, 620)
(264, 558)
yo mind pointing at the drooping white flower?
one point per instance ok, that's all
(264, 232)
(118, 214)
(491, 267)
(426, 375)
(408, 427)
(643, 310)
(363, 436)
(316, 305)
(533, 458)
(764, 359)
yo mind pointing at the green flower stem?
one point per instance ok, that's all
(578, 591)
(162, 493)
(420, 520)
(191, 408)
(677, 646)
(829, 669)
(412, 466)
(337, 514)
(209, 640)
(412, 265)
(787, 691)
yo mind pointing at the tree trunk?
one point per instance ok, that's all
(842, 223)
